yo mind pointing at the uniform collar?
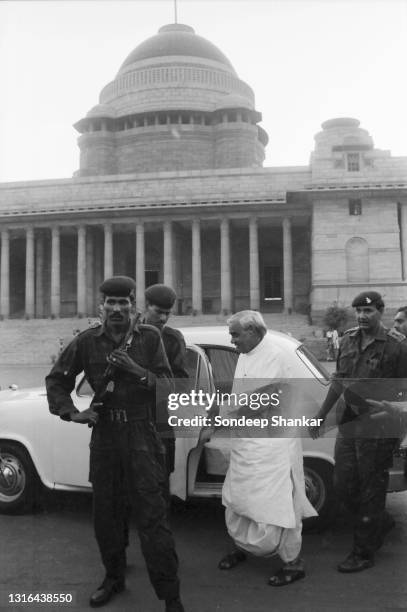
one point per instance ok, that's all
(102, 330)
(381, 333)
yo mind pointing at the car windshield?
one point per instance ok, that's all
(313, 364)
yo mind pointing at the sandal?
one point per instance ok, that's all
(286, 575)
(231, 560)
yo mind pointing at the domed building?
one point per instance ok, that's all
(175, 104)
(171, 188)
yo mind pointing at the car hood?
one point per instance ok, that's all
(19, 395)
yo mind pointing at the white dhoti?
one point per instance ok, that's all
(264, 489)
(264, 495)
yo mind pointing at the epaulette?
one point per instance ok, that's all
(95, 323)
(92, 325)
(396, 335)
(350, 330)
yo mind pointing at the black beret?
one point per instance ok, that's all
(161, 296)
(120, 286)
(368, 298)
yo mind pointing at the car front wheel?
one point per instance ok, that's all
(318, 476)
(18, 479)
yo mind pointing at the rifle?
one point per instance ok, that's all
(107, 383)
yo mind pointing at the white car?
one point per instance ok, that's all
(37, 448)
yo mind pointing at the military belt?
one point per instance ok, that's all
(121, 415)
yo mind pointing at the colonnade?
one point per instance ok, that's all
(35, 259)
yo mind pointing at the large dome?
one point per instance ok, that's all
(174, 70)
(176, 39)
(175, 104)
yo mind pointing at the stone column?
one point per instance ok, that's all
(81, 272)
(196, 267)
(108, 265)
(39, 277)
(225, 274)
(287, 266)
(168, 254)
(140, 267)
(5, 275)
(90, 273)
(29, 274)
(55, 273)
(254, 264)
(403, 224)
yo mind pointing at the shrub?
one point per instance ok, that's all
(335, 317)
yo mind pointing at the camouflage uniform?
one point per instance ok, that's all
(364, 451)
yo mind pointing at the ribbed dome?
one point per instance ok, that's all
(176, 39)
(340, 122)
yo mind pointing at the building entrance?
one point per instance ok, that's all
(272, 288)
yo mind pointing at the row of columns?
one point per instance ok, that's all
(34, 267)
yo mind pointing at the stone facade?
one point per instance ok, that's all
(171, 189)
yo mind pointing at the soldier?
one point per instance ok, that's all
(400, 320)
(160, 300)
(363, 453)
(126, 455)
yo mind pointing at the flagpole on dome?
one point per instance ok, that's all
(175, 12)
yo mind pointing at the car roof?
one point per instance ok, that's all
(219, 335)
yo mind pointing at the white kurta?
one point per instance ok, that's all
(265, 479)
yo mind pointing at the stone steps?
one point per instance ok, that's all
(38, 341)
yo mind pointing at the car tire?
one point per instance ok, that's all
(319, 487)
(19, 482)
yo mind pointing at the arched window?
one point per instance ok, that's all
(357, 260)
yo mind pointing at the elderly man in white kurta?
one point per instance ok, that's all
(264, 490)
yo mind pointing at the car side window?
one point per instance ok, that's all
(191, 363)
(197, 368)
(223, 361)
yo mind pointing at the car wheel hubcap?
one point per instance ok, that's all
(12, 478)
(315, 489)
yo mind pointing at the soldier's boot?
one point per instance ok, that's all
(174, 605)
(355, 563)
(105, 592)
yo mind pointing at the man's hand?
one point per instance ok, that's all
(88, 416)
(206, 434)
(315, 430)
(121, 360)
(398, 409)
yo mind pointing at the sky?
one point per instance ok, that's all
(306, 60)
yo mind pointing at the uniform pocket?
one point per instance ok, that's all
(346, 361)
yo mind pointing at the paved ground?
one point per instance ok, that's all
(54, 551)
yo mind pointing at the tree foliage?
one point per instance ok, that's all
(335, 317)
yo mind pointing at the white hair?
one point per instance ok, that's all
(249, 318)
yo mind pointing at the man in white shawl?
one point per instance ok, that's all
(264, 490)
